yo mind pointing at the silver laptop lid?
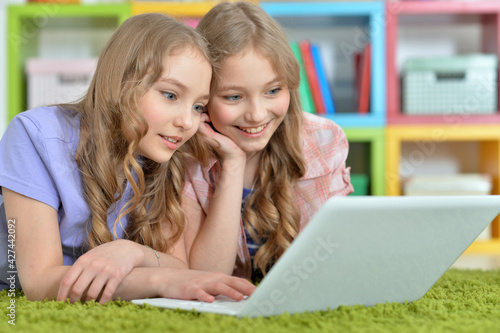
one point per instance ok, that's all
(369, 250)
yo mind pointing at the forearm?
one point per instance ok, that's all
(42, 285)
(216, 243)
(163, 259)
(142, 282)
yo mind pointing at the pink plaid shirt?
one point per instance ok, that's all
(325, 150)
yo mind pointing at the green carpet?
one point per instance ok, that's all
(461, 301)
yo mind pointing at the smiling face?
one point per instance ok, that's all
(173, 105)
(249, 102)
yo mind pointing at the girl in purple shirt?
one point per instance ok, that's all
(91, 190)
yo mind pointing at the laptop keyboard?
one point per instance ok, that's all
(220, 302)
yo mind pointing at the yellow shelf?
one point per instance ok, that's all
(445, 132)
(180, 9)
(487, 136)
(484, 247)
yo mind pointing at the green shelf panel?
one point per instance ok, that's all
(360, 183)
(375, 137)
(19, 34)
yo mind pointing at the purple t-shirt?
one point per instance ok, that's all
(37, 160)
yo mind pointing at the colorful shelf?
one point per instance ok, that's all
(23, 24)
(367, 15)
(486, 13)
(375, 138)
(173, 8)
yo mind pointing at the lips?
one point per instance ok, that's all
(172, 142)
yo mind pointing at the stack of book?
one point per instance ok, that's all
(315, 90)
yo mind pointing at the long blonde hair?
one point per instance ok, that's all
(271, 213)
(128, 66)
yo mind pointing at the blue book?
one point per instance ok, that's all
(323, 82)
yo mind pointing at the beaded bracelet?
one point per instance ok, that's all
(156, 254)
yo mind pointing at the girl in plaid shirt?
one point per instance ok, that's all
(283, 162)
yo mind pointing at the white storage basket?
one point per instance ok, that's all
(450, 85)
(57, 81)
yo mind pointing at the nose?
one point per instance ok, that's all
(184, 119)
(256, 111)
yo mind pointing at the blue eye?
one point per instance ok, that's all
(199, 108)
(274, 91)
(169, 95)
(233, 98)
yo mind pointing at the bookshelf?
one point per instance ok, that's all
(341, 28)
(441, 23)
(409, 16)
(487, 138)
(25, 24)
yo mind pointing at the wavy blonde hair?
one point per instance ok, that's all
(130, 63)
(231, 28)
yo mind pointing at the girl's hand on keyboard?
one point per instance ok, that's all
(203, 286)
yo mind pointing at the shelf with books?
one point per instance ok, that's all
(428, 139)
(27, 24)
(339, 31)
(441, 30)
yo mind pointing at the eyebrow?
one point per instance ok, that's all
(180, 85)
(236, 87)
(175, 82)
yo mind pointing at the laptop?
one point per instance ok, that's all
(362, 251)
